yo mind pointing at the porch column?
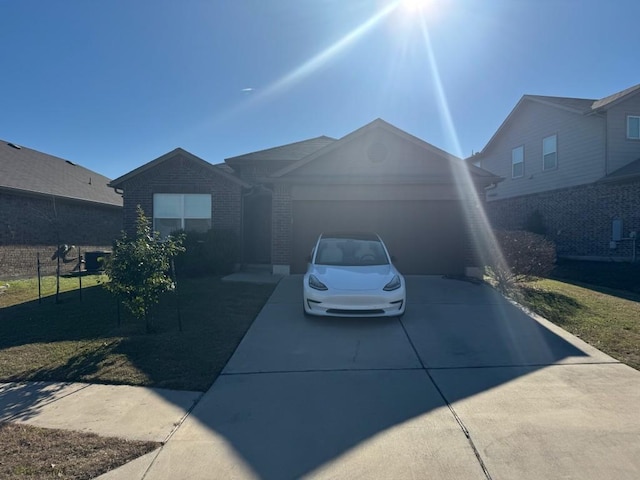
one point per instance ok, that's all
(281, 229)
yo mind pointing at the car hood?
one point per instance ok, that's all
(372, 277)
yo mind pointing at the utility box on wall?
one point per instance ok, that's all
(616, 231)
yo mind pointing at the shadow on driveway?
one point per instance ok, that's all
(344, 398)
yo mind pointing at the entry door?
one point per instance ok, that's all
(257, 229)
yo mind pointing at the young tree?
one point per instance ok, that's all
(138, 269)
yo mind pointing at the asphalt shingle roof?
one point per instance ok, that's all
(606, 101)
(29, 171)
(579, 104)
(290, 152)
(629, 171)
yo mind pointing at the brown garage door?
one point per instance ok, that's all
(426, 237)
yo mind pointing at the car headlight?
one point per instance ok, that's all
(394, 284)
(316, 284)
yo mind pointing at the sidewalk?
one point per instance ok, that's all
(133, 413)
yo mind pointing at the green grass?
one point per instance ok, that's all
(82, 340)
(606, 318)
(20, 291)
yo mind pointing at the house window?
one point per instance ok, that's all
(549, 152)
(517, 162)
(181, 211)
(633, 127)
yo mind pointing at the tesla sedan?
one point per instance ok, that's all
(352, 275)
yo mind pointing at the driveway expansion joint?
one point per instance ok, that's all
(455, 415)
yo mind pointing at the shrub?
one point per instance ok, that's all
(535, 223)
(520, 254)
(214, 252)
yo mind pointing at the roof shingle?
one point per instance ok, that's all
(29, 171)
(290, 152)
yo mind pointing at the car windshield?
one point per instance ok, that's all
(350, 252)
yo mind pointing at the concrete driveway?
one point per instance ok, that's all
(465, 386)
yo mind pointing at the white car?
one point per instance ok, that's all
(352, 275)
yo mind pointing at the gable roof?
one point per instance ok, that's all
(580, 106)
(380, 124)
(24, 170)
(289, 152)
(225, 172)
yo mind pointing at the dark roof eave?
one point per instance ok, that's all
(31, 193)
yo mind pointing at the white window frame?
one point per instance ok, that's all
(181, 213)
(633, 135)
(514, 163)
(554, 152)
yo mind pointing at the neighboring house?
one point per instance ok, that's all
(420, 199)
(574, 161)
(46, 201)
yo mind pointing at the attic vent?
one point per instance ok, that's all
(70, 162)
(17, 147)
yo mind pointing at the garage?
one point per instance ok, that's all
(426, 237)
(418, 198)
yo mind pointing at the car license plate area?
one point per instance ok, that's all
(340, 311)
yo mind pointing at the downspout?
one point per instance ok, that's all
(606, 145)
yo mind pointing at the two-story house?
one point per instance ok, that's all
(574, 164)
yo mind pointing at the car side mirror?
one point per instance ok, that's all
(393, 259)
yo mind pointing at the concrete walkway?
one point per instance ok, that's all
(464, 386)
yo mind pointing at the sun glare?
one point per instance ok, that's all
(415, 6)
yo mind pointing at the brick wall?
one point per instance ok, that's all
(181, 175)
(29, 224)
(578, 219)
(31, 220)
(281, 227)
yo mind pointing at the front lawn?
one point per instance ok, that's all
(83, 341)
(605, 318)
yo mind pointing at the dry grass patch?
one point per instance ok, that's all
(38, 453)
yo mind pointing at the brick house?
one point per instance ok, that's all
(46, 201)
(574, 161)
(420, 199)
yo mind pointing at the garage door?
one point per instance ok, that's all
(426, 237)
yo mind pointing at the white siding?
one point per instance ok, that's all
(580, 148)
(622, 150)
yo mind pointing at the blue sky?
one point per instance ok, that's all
(114, 84)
